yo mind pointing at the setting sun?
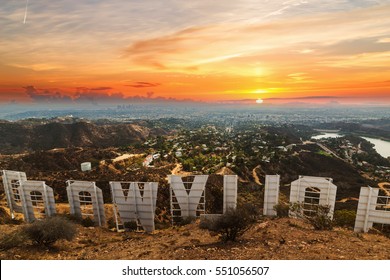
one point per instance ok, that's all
(259, 101)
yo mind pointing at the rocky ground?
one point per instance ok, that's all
(271, 239)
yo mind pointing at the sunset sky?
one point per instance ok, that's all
(216, 51)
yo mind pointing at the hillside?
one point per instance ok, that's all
(274, 239)
(23, 137)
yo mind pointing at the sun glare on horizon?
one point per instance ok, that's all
(259, 101)
(260, 91)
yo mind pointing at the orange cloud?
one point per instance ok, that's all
(143, 85)
(169, 44)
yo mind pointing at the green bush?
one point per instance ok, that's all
(344, 218)
(231, 224)
(48, 231)
(319, 218)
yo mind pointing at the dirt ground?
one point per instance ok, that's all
(271, 239)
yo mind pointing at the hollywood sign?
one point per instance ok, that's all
(307, 190)
(136, 201)
(132, 201)
(313, 191)
(188, 198)
(373, 207)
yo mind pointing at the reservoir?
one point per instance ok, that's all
(381, 146)
(327, 135)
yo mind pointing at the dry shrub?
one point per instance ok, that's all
(282, 209)
(130, 226)
(231, 224)
(87, 222)
(183, 221)
(345, 218)
(48, 231)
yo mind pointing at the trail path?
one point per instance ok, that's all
(222, 171)
(382, 186)
(177, 169)
(126, 156)
(257, 180)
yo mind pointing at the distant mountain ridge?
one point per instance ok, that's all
(22, 137)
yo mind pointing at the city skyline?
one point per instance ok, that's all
(334, 52)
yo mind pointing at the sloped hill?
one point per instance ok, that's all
(275, 239)
(14, 137)
(18, 138)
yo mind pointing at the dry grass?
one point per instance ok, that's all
(272, 239)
